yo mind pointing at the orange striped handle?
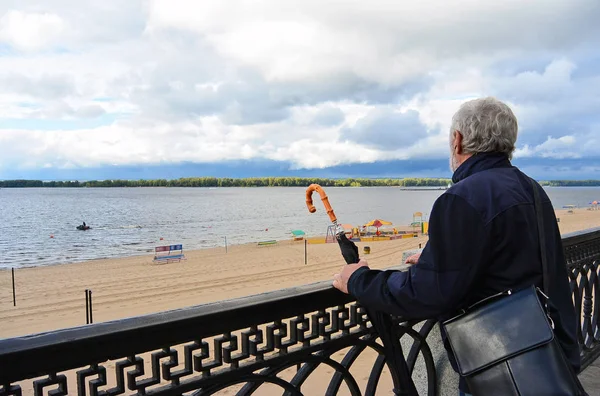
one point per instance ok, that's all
(309, 201)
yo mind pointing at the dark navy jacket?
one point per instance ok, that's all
(482, 240)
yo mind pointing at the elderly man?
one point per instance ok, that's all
(482, 236)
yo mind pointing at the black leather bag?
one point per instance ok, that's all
(505, 345)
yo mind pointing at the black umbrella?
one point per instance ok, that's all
(380, 320)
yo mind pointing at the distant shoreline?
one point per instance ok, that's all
(237, 182)
(213, 182)
(401, 188)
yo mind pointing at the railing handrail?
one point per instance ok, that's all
(129, 336)
(580, 236)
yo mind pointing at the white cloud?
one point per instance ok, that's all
(563, 147)
(121, 144)
(383, 41)
(207, 81)
(30, 31)
(535, 87)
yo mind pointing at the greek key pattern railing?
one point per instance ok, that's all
(582, 253)
(273, 343)
(264, 344)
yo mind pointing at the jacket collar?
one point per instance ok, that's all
(480, 162)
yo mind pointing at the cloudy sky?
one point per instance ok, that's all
(106, 89)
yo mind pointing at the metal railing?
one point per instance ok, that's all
(270, 343)
(582, 253)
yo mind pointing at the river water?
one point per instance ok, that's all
(131, 221)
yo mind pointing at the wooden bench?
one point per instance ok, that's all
(267, 243)
(168, 253)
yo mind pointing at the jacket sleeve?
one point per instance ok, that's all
(447, 269)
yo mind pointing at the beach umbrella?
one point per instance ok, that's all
(377, 223)
(382, 322)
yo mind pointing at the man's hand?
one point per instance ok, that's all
(413, 259)
(340, 280)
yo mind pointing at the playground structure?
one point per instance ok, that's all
(417, 221)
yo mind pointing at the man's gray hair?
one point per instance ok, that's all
(487, 125)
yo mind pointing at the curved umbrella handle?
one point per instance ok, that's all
(311, 207)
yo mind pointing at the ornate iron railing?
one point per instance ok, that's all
(582, 253)
(304, 340)
(201, 350)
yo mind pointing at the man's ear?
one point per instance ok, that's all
(458, 139)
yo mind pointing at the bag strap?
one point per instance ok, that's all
(540, 222)
(537, 203)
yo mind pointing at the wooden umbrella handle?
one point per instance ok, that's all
(309, 201)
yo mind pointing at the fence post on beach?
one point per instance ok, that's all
(91, 310)
(87, 308)
(13, 285)
(225, 244)
(305, 259)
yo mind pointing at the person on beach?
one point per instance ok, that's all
(483, 236)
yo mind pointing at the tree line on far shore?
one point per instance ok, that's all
(571, 183)
(266, 182)
(231, 182)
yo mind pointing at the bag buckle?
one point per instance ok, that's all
(551, 322)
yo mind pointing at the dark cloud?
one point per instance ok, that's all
(567, 168)
(190, 79)
(178, 88)
(386, 129)
(347, 87)
(540, 169)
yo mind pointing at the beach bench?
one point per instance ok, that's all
(267, 243)
(168, 253)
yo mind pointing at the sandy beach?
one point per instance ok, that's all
(53, 297)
